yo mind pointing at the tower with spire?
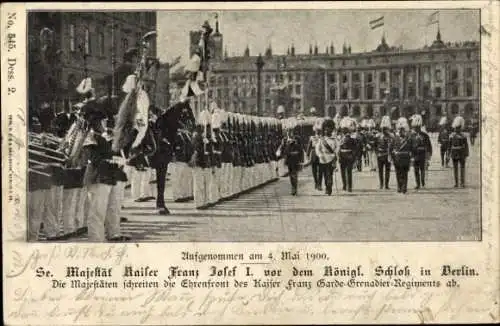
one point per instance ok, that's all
(438, 42)
(247, 52)
(217, 41)
(269, 51)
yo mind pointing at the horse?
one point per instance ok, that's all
(168, 123)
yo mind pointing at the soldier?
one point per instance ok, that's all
(401, 151)
(227, 156)
(217, 148)
(371, 141)
(237, 156)
(458, 150)
(348, 152)
(443, 141)
(291, 150)
(312, 154)
(201, 160)
(382, 145)
(422, 150)
(64, 120)
(101, 177)
(326, 149)
(360, 140)
(180, 172)
(474, 129)
(280, 112)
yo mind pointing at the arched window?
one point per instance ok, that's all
(369, 110)
(454, 108)
(356, 111)
(344, 111)
(469, 110)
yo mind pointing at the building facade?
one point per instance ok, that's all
(95, 40)
(440, 79)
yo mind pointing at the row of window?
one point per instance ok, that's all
(396, 75)
(395, 92)
(251, 91)
(88, 39)
(252, 79)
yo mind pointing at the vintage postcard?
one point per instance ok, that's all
(250, 163)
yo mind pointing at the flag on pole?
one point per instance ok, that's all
(433, 18)
(376, 23)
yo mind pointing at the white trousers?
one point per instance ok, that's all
(82, 208)
(36, 203)
(201, 178)
(225, 185)
(373, 160)
(181, 179)
(104, 211)
(140, 183)
(215, 180)
(69, 209)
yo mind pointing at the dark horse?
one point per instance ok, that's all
(180, 115)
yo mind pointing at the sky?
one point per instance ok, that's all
(281, 28)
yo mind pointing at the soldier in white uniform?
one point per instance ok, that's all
(201, 160)
(216, 140)
(326, 149)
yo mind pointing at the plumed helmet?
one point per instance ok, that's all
(312, 110)
(416, 120)
(129, 84)
(371, 123)
(443, 121)
(85, 86)
(281, 109)
(345, 123)
(193, 64)
(458, 122)
(385, 122)
(318, 124)
(402, 124)
(204, 118)
(213, 106)
(353, 124)
(216, 119)
(364, 123)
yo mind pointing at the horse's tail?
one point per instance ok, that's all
(123, 123)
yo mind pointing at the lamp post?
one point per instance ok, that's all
(260, 64)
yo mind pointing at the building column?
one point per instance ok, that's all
(362, 108)
(337, 85)
(417, 81)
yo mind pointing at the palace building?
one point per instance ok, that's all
(440, 79)
(56, 56)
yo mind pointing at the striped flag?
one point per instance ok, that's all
(376, 23)
(433, 18)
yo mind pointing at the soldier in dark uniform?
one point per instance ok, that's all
(291, 150)
(348, 152)
(444, 141)
(217, 148)
(382, 146)
(401, 151)
(101, 175)
(226, 156)
(422, 150)
(474, 129)
(458, 150)
(63, 121)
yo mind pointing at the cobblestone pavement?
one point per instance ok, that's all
(437, 213)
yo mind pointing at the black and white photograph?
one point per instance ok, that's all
(345, 125)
